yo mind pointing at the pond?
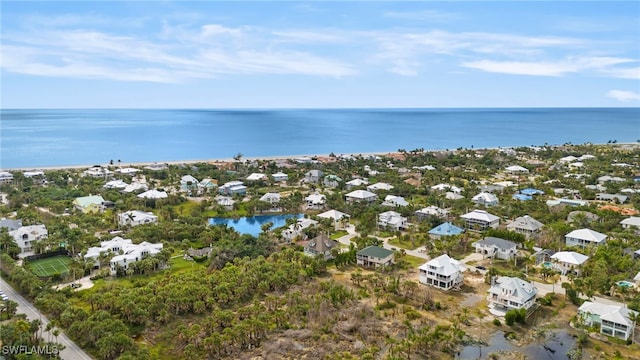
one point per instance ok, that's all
(253, 225)
(556, 345)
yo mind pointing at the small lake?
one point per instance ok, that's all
(555, 346)
(253, 225)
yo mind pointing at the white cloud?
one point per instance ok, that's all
(624, 73)
(545, 68)
(424, 15)
(623, 96)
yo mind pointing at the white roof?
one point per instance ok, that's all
(133, 251)
(357, 182)
(395, 200)
(137, 215)
(453, 196)
(516, 287)
(361, 194)
(618, 314)
(632, 221)
(525, 222)
(380, 186)
(36, 230)
(280, 175)
(128, 170)
(446, 266)
(256, 177)
(485, 198)
(570, 257)
(480, 215)
(333, 214)
(316, 198)
(135, 186)
(33, 173)
(443, 187)
(153, 194)
(225, 201)
(517, 168)
(188, 179)
(115, 184)
(587, 234)
(586, 157)
(433, 210)
(568, 159)
(269, 197)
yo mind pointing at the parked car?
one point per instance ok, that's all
(480, 267)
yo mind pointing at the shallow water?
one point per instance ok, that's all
(253, 225)
(556, 346)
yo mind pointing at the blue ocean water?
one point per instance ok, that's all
(253, 225)
(39, 138)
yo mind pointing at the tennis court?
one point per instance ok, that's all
(50, 266)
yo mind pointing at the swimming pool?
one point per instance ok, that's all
(547, 264)
(625, 284)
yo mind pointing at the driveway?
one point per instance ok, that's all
(71, 350)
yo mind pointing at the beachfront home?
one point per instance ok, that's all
(296, 229)
(89, 204)
(445, 229)
(361, 196)
(313, 176)
(394, 201)
(374, 256)
(525, 225)
(136, 217)
(321, 245)
(127, 171)
(280, 177)
(568, 262)
(27, 236)
(6, 177)
(351, 184)
(507, 293)
(315, 201)
(614, 319)
(631, 222)
(135, 187)
(132, 254)
(516, 170)
(257, 177)
(115, 184)
(486, 199)
(156, 167)
(97, 171)
(431, 211)
(392, 220)
(233, 188)
(496, 247)
(332, 181)
(480, 220)
(340, 219)
(380, 186)
(442, 272)
(584, 238)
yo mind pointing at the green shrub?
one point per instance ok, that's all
(497, 322)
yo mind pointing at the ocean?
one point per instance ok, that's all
(42, 138)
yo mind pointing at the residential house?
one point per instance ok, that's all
(153, 194)
(374, 256)
(225, 201)
(26, 236)
(272, 198)
(431, 211)
(280, 177)
(620, 199)
(543, 256)
(320, 245)
(340, 219)
(188, 184)
(37, 177)
(115, 184)
(89, 204)
(450, 195)
(332, 181)
(313, 176)
(315, 201)
(135, 187)
(132, 254)
(631, 222)
(207, 185)
(607, 178)
(480, 220)
(445, 229)
(380, 186)
(127, 171)
(613, 319)
(233, 188)
(297, 228)
(516, 170)
(581, 217)
(566, 202)
(136, 217)
(257, 177)
(568, 262)
(351, 184)
(392, 220)
(6, 177)
(496, 247)
(361, 196)
(394, 201)
(10, 224)
(584, 238)
(156, 167)
(114, 246)
(447, 187)
(442, 272)
(486, 199)
(97, 171)
(507, 293)
(525, 225)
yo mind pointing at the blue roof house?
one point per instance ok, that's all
(445, 229)
(531, 192)
(522, 197)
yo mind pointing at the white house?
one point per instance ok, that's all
(232, 188)
(315, 201)
(450, 195)
(517, 169)
(442, 272)
(132, 254)
(136, 217)
(496, 247)
(568, 261)
(486, 199)
(525, 225)
(97, 171)
(115, 246)
(394, 201)
(332, 181)
(271, 198)
(127, 171)
(631, 222)
(480, 220)
(280, 177)
(584, 238)
(135, 187)
(26, 236)
(188, 183)
(356, 183)
(392, 220)
(115, 184)
(447, 187)
(339, 219)
(380, 186)
(507, 293)
(153, 194)
(296, 229)
(361, 196)
(257, 177)
(6, 177)
(614, 319)
(432, 211)
(225, 201)
(313, 176)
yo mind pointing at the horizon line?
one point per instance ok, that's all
(322, 108)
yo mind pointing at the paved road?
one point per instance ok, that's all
(71, 350)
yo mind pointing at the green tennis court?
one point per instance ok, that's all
(50, 266)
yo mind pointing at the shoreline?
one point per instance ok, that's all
(271, 158)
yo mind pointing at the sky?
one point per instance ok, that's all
(319, 54)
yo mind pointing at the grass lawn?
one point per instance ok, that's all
(338, 234)
(414, 261)
(50, 266)
(403, 244)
